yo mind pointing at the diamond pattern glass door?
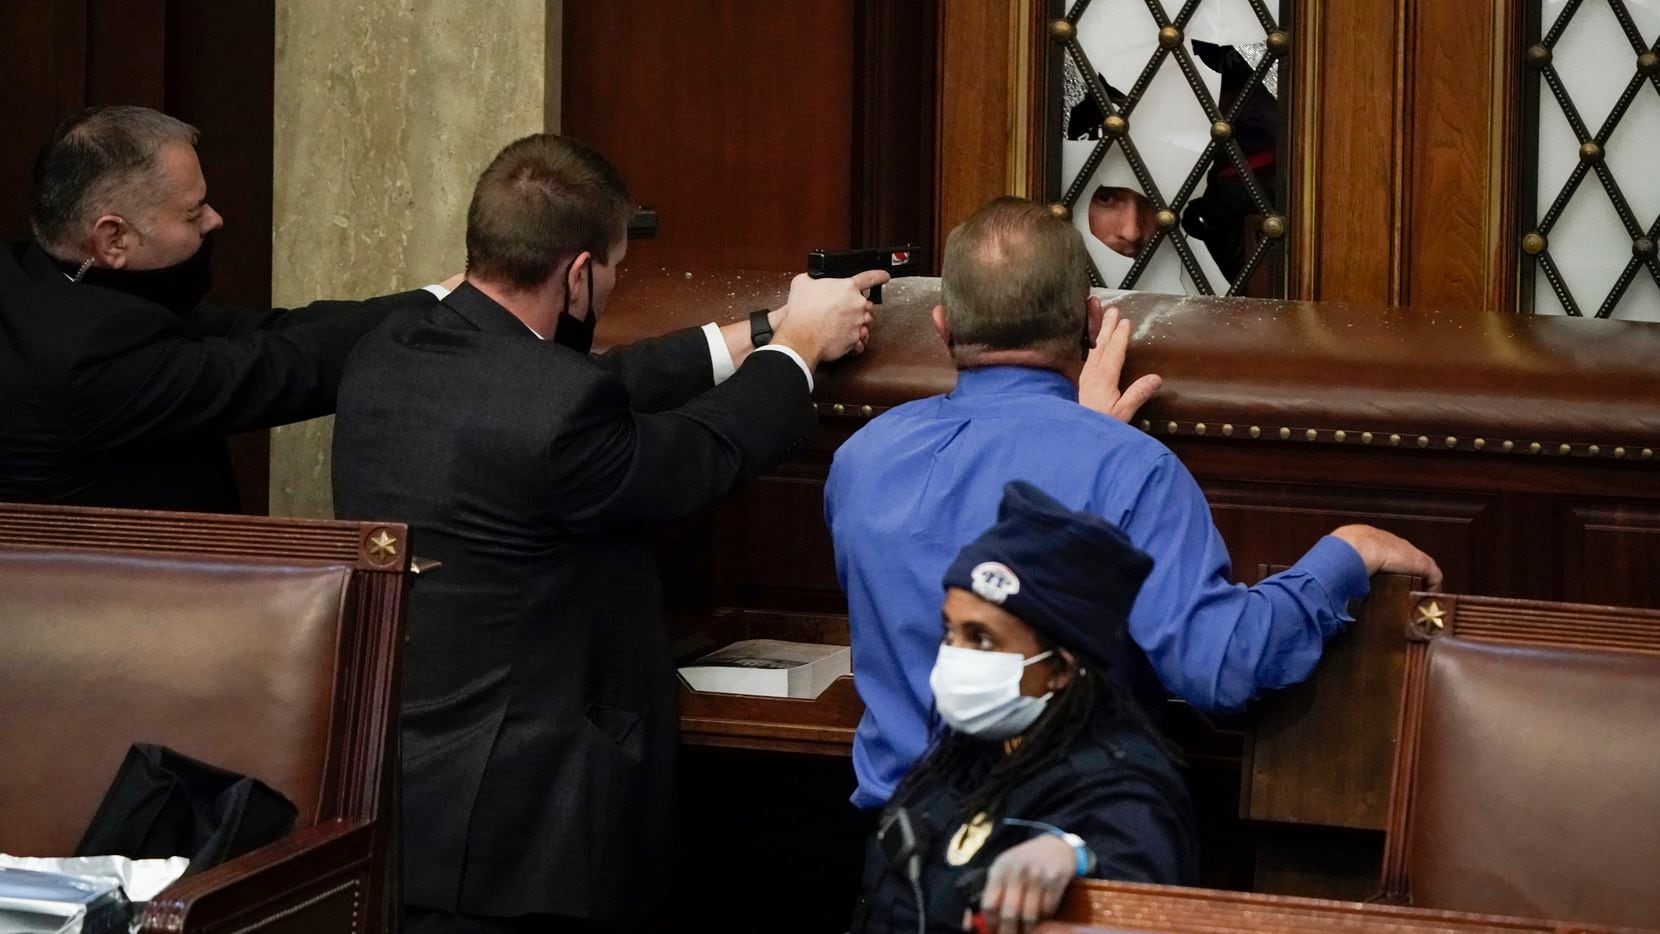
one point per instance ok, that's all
(1171, 159)
(1595, 135)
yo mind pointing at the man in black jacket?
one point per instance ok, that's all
(539, 716)
(118, 384)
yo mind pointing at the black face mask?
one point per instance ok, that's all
(573, 332)
(178, 288)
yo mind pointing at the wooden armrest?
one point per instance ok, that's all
(274, 878)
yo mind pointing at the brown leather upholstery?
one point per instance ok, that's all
(1531, 765)
(1256, 362)
(264, 646)
(228, 663)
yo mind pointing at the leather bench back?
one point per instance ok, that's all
(227, 661)
(1536, 788)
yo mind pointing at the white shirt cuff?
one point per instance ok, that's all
(720, 358)
(793, 356)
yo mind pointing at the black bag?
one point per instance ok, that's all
(163, 804)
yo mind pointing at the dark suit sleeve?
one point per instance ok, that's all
(159, 382)
(620, 467)
(1135, 821)
(662, 372)
(210, 320)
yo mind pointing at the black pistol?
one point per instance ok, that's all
(843, 264)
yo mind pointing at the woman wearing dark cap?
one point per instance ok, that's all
(1044, 769)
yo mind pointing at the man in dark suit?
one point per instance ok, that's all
(119, 383)
(539, 720)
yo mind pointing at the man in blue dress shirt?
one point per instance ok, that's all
(915, 485)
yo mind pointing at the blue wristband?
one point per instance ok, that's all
(1086, 858)
(1082, 852)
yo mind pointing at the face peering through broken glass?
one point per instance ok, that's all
(1172, 122)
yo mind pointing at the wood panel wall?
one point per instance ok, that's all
(733, 119)
(205, 62)
(43, 69)
(760, 132)
(896, 103)
(992, 83)
(1412, 113)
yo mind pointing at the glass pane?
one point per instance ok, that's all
(1596, 127)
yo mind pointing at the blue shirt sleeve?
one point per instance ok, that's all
(1217, 644)
(831, 481)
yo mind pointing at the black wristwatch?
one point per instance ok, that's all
(760, 328)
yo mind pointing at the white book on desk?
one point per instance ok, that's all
(769, 668)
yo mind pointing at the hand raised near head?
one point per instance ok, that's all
(1098, 385)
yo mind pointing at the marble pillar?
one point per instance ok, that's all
(386, 111)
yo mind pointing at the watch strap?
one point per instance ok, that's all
(760, 327)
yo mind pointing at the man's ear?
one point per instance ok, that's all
(941, 326)
(112, 240)
(1092, 319)
(576, 284)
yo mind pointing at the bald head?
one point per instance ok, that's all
(1015, 277)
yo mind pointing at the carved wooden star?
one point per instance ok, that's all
(382, 545)
(1430, 616)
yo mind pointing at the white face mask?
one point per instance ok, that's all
(979, 692)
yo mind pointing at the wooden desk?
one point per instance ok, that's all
(1123, 906)
(823, 726)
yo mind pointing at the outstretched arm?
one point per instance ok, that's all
(1217, 644)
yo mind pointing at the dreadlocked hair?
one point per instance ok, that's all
(982, 775)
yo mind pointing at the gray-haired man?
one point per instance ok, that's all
(120, 382)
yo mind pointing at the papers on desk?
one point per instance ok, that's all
(53, 903)
(78, 894)
(140, 879)
(769, 668)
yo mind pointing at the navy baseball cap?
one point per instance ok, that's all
(1072, 576)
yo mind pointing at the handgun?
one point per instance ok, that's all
(843, 264)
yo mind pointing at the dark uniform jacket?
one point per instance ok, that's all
(539, 720)
(111, 400)
(1119, 793)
